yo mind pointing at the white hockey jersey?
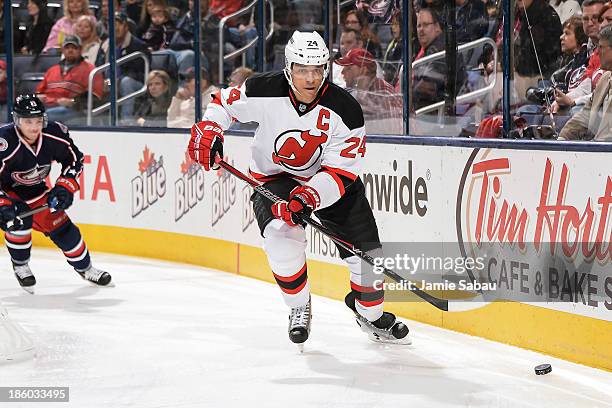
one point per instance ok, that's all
(320, 144)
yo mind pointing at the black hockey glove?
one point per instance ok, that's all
(61, 196)
(9, 212)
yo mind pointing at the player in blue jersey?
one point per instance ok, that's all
(28, 147)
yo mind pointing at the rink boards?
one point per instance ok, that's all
(142, 196)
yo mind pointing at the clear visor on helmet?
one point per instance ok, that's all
(30, 120)
(305, 71)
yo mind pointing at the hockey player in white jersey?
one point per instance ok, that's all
(308, 150)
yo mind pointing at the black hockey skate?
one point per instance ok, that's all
(24, 276)
(387, 329)
(299, 324)
(96, 276)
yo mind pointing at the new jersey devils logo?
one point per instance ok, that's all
(298, 150)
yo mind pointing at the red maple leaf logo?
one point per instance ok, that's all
(186, 165)
(147, 161)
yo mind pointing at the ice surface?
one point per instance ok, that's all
(172, 335)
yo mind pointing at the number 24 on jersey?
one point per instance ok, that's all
(354, 143)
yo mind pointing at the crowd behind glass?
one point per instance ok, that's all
(560, 60)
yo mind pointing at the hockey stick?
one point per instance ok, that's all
(441, 304)
(10, 225)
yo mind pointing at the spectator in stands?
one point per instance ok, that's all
(85, 29)
(376, 97)
(591, 11)
(428, 80)
(594, 121)
(210, 29)
(133, 9)
(145, 15)
(3, 91)
(224, 8)
(392, 59)
(566, 9)
(577, 97)
(177, 8)
(349, 39)
(181, 113)
(594, 70)
(494, 16)
(102, 25)
(130, 74)
(180, 5)
(242, 30)
(239, 76)
(435, 5)
(73, 9)
(573, 63)
(542, 32)
(358, 21)
(605, 17)
(471, 20)
(573, 41)
(64, 88)
(38, 27)
(152, 107)
(160, 31)
(183, 37)
(351, 20)
(181, 43)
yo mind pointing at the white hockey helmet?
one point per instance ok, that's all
(306, 49)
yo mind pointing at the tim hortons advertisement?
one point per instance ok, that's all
(541, 221)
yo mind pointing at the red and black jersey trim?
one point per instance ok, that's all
(302, 108)
(342, 177)
(367, 296)
(340, 101)
(264, 178)
(293, 284)
(344, 105)
(216, 98)
(267, 85)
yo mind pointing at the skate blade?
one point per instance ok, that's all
(111, 284)
(406, 341)
(28, 289)
(300, 347)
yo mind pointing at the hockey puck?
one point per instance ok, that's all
(543, 369)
